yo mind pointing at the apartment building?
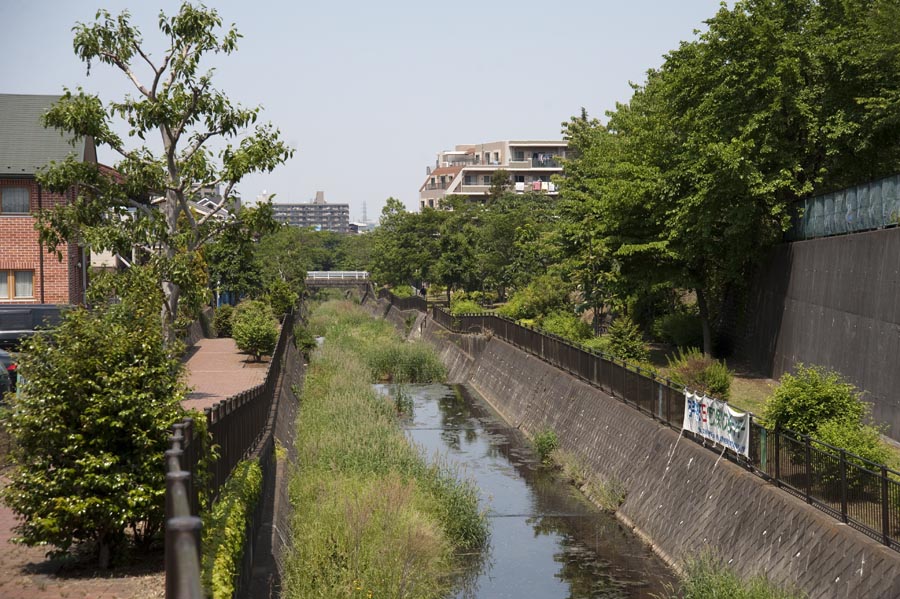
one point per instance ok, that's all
(467, 170)
(317, 214)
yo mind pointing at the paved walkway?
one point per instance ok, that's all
(216, 370)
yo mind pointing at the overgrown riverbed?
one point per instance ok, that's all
(371, 518)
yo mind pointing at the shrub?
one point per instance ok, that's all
(281, 296)
(402, 291)
(811, 397)
(465, 306)
(254, 328)
(91, 424)
(701, 373)
(566, 325)
(860, 439)
(683, 330)
(222, 320)
(224, 529)
(304, 340)
(626, 341)
(545, 443)
(600, 344)
(545, 294)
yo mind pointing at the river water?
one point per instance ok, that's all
(547, 540)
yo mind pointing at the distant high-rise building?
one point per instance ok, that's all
(317, 214)
(468, 169)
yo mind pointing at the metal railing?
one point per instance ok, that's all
(337, 275)
(236, 425)
(860, 493)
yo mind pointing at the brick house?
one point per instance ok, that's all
(29, 274)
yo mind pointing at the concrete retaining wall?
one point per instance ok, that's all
(832, 302)
(680, 496)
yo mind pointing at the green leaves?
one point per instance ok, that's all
(92, 421)
(178, 104)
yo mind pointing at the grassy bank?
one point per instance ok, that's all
(708, 578)
(371, 518)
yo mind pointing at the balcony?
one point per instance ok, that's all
(434, 186)
(544, 186)
(549, 162)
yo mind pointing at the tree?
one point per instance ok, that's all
(178, 104)
(231, 255)
(92, 420)
(406, 246)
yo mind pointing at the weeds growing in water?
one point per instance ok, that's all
(545, 443)
(371, 518)
(403, 401)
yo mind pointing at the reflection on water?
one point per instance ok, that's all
(547, 541)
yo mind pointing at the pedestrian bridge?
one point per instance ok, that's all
(318, 279)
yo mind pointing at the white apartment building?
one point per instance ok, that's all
(467, 169)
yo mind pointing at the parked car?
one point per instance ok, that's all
(8, 365)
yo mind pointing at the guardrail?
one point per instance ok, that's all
(236, 425)
(858, 492)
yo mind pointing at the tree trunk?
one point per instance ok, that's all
(704, 321)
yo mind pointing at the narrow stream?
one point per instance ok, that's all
(547, 540)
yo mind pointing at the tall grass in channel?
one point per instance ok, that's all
(371, 518)
(389, 358)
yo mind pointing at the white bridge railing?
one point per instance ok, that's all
(337, 275)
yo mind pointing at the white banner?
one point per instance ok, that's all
(716, 421)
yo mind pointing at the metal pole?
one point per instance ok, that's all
(885, 507)
(844, 486)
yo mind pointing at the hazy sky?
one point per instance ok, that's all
(368, 92)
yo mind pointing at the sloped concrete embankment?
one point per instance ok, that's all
(680, 497)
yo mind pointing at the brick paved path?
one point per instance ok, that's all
(216, 370)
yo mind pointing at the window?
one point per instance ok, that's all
(469, 180)
(16, 284)
(518, 155)
(496, 157)
(520, 178)
(14, 200)
(487, 179)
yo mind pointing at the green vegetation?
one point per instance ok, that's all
(304, 340)
(210, 140)
(709, 578)
(626, 341)
(254, 328)
(700, 373)
(820, 403)
(92, 421)
(545, 443)
(607, 494)
(370, 516)
(465, 306)
(566, 325)
(222, 320)
(680, 329)
(225, 529)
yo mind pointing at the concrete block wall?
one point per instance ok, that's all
(680, 497)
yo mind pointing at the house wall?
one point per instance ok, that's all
(62, 281)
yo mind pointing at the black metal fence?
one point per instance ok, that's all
(236, 426)
(860, 493)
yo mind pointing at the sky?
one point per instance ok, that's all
(369, 92)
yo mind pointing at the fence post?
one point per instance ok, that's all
(843, 486)
(763, 449)
(808, 462)
(777, 458)
(659, 400)
(885, 507)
